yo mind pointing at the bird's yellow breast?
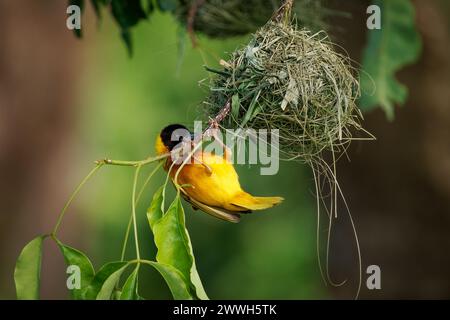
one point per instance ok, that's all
(160, 147)
(216, 187)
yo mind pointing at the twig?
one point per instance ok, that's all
(72, 197)
(221, 115)
(132, 163)
(133, 211)
(284, 12)
(127, 233)
(213, 123)
(191, 18)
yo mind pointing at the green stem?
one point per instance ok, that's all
(133, 209)
(99, 164)
(147, 181)
(73, 195)
(125, 240)
(167, 180)
(137, 261)
(132, 163)
(283, 14)
(127, 233)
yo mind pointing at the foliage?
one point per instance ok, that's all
(216, 18)
(126, 13)
(28, 270)
(227, 18)
(168, 226)
(75, 257)
(178, 251)
(395, 45)
(389, 49)
(175, 261)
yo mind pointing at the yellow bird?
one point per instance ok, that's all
(210, 184)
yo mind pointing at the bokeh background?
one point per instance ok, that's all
(66, 102)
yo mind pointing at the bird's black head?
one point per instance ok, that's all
(170, 136)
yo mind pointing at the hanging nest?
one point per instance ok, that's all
(227, 18)
(292, 80)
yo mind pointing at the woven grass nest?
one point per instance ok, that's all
(293, 80)
(227, 18)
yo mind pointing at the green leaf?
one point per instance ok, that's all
(171, 239)
(173, 243)
(250, 112)
(75, 257)
(28, 270)
(103, 283)
(126, 37)
(129, 290)
(389, 49)
(235, 106)
(116, 294)
(150, 6)
(155, 211)
(175, 280)
(127, 13)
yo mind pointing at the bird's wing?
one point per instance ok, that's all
(213, 211)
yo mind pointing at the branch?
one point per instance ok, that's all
(191, 18)
(132, 163)
(283, 13)
(214, 122)
(221, 115)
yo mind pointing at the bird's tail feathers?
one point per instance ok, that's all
(249, 202)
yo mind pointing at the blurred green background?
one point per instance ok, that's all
(125, 104)
(66, 102)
